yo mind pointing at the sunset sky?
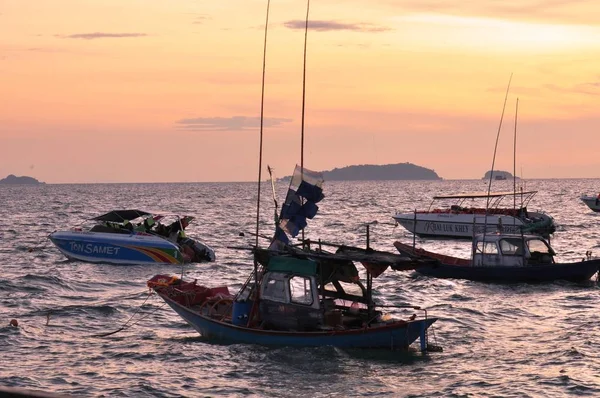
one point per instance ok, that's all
(167, 91)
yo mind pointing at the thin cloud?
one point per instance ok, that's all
(355, 45)
(516, 90)
(327, 26)
(199, 20)
(555, 11)
(588, 88)
(46, 50)
(101, 35)
(234, 123)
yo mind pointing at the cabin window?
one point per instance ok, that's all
(536, 245)
(301, 290)
(330, 287)
(351, 288)
(347, 288)
(274, 290)
(487, 247)
(511, 247)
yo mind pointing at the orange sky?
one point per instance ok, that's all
(150, 90)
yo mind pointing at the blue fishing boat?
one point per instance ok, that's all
(291, 312)
(301, 295)
(500, 257)
(132, 237)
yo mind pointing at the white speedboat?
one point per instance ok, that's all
(461, 221)
(593, 202)
(117, 238)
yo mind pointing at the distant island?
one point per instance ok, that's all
(498, 175)
(13, 180)
(369, 172)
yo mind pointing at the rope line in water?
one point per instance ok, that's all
(125, 326)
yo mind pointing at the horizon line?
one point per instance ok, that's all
(267, 180)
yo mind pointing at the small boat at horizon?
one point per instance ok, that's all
(502, 257)
(117, 238)
(459, 221)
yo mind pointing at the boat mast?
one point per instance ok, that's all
(262, 108)
(487, 203)
(515, 164)
(522, 187)
(303, 100)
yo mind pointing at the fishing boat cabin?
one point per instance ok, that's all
(511, 250)
(302, 295)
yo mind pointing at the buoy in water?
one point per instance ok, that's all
(14, 323)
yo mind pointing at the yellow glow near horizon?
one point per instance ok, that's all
(493, 34)
(389, 76)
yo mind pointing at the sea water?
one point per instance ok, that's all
(498, 339)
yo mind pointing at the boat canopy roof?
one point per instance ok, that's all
(494, 237)
(374, 261)
(475, 195)
(121, 215)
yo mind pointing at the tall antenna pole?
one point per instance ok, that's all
(487, 204)
(262, 109)
(515, 163)
(303, 99)
(304, 90)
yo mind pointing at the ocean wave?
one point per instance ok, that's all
(498, 340)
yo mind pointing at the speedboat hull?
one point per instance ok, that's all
(592, 202)
(397, 335)
(114, 248)
(461, 225)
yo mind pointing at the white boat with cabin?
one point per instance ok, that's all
(459, 220)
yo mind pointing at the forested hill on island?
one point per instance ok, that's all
(498, 175)
(12, 179)
(367, 172)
